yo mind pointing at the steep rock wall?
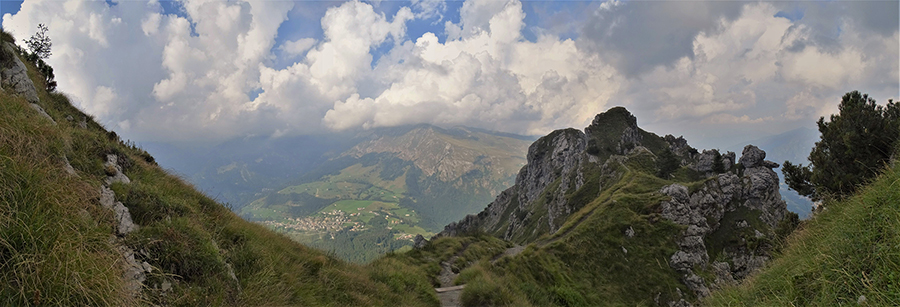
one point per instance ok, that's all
(539, 202)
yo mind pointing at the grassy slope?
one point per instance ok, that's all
(55, 245)
(584, 263)
(850, 250)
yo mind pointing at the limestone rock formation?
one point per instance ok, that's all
(556, 157)
(114, 170)
(15, 76)
(134, 272)
(680, 147)
(68, 167)
(124, 224)
(747, 208)
(558, 161)
(706, 159)
(41, 112)
(730, 218)
(419, 242)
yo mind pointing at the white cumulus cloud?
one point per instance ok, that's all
(218, 70)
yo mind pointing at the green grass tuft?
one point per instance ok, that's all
(6, 37)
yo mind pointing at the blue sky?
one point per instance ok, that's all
(715, 71)
(9, 7)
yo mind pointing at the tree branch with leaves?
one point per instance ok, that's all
(39, 44)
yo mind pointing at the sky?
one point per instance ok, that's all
(717, 72)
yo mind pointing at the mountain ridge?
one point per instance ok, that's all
(90, 219)
(724, 222)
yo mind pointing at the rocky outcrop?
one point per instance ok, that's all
(42, 113)
(538, 202)
(680, 147)
(124, 224)
(706, 160)
(68, 167)
(548, 159)
(729, 216)
(114, 170)
(760, 186)
(745, 208)
(134, 272)
(556, 159)
(419, 242)
(14, 75)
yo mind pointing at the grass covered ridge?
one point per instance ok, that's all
(850, 250)
(56, 245)
(590, 261)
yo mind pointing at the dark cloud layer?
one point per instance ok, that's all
(637, 36)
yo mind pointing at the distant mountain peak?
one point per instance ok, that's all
(447, 153)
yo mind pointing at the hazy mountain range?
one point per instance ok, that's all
(325, 190)
(415, 178)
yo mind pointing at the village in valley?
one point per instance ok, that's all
(336, 218)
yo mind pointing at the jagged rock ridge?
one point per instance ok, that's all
(726, 203)
(730, 216)
(559, 161)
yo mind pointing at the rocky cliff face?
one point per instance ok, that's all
(14, 75)
(539, 202)
(729, 216)
(743, 208)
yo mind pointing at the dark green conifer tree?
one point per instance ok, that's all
(718, 165)
(853, 147)
(667, 163)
